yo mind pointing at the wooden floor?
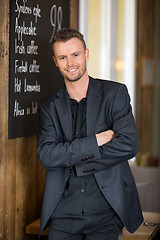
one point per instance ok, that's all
(33, 228)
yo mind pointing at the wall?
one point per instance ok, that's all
(145, 49)
(109, 27)
(21, 175)
(156, 90)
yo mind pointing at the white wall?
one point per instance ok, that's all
(109, 29)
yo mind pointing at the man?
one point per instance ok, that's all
(87, 135)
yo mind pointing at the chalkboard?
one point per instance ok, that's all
(32, 73)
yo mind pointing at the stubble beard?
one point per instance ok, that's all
(76, 78)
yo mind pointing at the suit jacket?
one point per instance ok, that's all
(108, 107)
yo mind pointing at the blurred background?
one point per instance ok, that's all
(123, 38)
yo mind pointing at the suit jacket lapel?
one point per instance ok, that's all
(64, 113)
(93, 103)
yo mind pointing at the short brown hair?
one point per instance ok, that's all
(66, 34)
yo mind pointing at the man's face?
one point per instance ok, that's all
(70, 57)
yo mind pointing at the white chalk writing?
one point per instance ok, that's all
(18, 111)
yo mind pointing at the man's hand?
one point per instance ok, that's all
(104, 137)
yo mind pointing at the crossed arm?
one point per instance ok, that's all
(104, 137)
(99, 151)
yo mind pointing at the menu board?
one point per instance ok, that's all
(32, 72)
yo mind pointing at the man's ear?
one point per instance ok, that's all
(55, 61)
(87, 54)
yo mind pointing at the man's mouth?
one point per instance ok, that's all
(73, 70)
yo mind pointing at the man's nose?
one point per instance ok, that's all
(69, 61)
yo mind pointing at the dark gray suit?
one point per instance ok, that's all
(108, 107)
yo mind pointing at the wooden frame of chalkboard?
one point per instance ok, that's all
(32, 73)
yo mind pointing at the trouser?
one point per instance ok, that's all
(99, 226)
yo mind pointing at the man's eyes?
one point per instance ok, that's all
(76, 55)
(62, 58)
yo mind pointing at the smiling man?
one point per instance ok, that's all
(87, 134)
(72, 65)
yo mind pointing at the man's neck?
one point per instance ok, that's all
(78, 90)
